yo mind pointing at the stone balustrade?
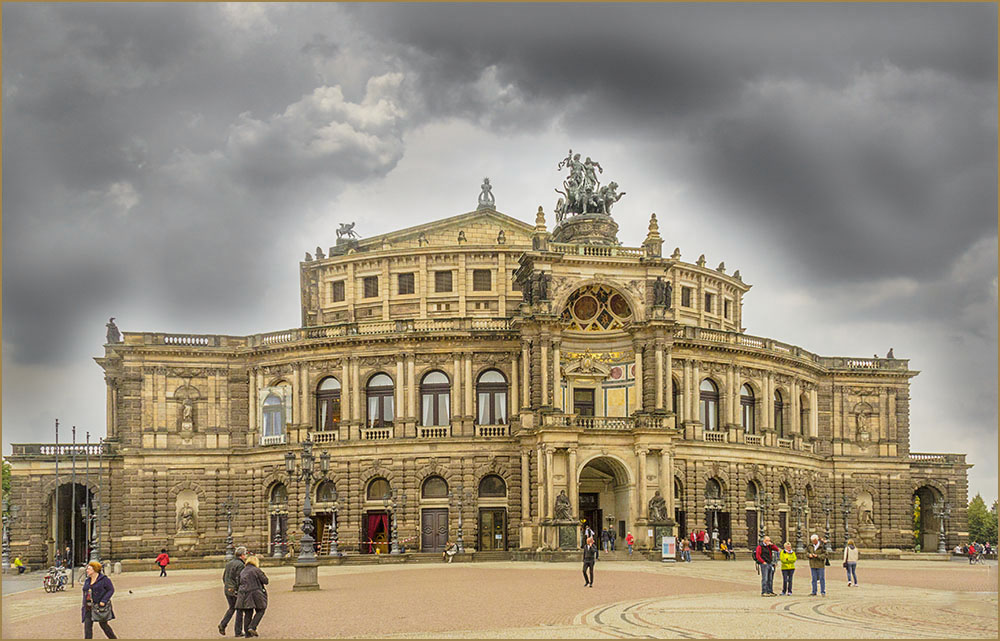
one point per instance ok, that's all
(376, 434)
(321, 438)
(492, 431)
(597, 250)
(714, 437)
(274, 439)
(52, 450)
(433, 432)
(753, 439)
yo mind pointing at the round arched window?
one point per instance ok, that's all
(328, 404)
(709, 396)
(279, 494)
(492, 486)
(377, 489)
(435, 394)
(326, 492)
(434, 487)
(747, 402)
(491, 394)
(379, 393)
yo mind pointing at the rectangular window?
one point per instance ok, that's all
(406, 283)
(709, 298)
(727, 308)
(482, 280)
(371, 286)
(685, 297)
(442, 281)
(338, 291)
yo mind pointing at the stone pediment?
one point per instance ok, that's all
(587, 366)
(478, 228)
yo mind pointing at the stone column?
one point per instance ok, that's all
(734, 397)
(659, 374)
(470, 408)
(525, 376)
(411, 390)
(795, 420)
(525, 485)
(540, 481)
(769, 400)
(549, 483)
(345, 396)
(398, 420)
(456, 388)
(667, 483)
(357, 391)
(640, 452)
(556, 376)
(668, 370)
(303, 396)
(545, 372)
(514, 396)
(694, 392)
(813, 414)
(574, 489)
(637, 347)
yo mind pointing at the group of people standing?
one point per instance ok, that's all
(767, 555)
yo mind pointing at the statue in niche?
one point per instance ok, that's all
(114, 336)
(659, 292)
(657, 508)
(186, 519)
(501, 237)
(861, 420)
(187, 415)
(563, 511)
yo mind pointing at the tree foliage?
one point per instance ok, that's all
(6, 481)
(982, 522)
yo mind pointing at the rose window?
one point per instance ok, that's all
(596, 308)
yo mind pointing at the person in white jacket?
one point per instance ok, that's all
(851, 563)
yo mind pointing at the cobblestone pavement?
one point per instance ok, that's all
(545, 600)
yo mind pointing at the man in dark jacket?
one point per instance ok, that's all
(764, 554)
(817, 563)
(589, 557)
(231, 584)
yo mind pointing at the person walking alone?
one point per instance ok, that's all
(162, 560)
(97, 593)
(252, 596)
(764, 554)
(851, 555)
(230, 586)
(817, 564)
(589, 557)
(630, 542)
(788, 559)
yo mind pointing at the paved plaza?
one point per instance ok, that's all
(911, 599)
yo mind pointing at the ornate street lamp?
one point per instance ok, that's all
(306, 566)
(845, 507)
(798, 505)
(9, 518)
(89, 517)
(459, 495)
(764, 502)
(827, 506)
(714, 505)
(389, 501)
(334, 537)
(942, 511)
(229, 506)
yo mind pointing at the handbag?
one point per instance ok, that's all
(99, 613)
(828, 562)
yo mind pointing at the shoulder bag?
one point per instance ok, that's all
(99, 613)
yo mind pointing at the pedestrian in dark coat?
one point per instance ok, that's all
(230, 586)
(97, 590)
(252, 596)
(589, 558)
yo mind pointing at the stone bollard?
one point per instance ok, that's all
(118, 567)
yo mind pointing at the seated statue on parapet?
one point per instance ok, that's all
(563, 511)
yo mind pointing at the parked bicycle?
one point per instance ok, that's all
(55, 579)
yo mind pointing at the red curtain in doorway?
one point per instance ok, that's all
(374, 519)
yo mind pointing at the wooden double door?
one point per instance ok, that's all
(433, 529)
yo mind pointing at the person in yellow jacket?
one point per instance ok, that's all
(787, 559)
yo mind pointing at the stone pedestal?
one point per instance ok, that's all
(587, 229)
(306, 575)
(561, 535)
(185, 543)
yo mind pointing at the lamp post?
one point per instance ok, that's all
(401, 519)
(845, 507)
(9, 518)
(459, 495)
(306, 566)
(942, 511)
(229, 506)
(765, 504)
(389, 501)
(89, 517)
(714, 505)
(827, 506)
(798, 505)
(334, 537)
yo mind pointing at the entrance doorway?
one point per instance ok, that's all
(492, 529)
(433, 529)
(752, 534)
(376, 532)
(71, 529)
(604, 497)
(323, 520)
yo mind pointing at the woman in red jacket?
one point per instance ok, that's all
(162, 560)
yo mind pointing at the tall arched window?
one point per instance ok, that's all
(435, 394)
(279, 495)
(274, 416)
(752, 491)
(326, 492)
(492, 486)
(804, 414)
(491, 391)
(779, 414)
(379, 393)
(709, 404)
(747, 408)
(434, 487)
(328, 404)
(713, 489)
(783, 493)
(377, 488)
(676, 391)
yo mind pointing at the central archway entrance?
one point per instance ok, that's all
(605, 497)
(71, 534)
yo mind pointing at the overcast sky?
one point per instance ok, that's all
(170, 164)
